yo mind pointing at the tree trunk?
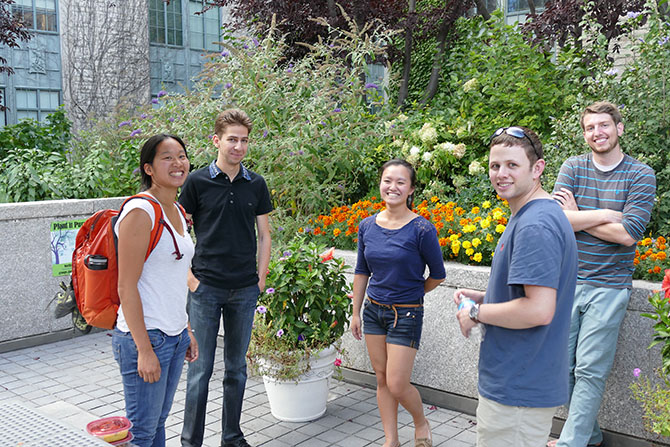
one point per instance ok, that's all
(531, 6)
(434, 81)
(481, 9)
(332, 11)
(407, 59)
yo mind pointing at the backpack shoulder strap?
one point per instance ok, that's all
(159, 222)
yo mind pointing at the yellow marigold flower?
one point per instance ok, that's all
(497, 214)
(486, 205)
(459, 211)
(476, 242)
(467, 244)
(453, 237)
(485, 223)
(434, 199)
(469, 228)
(455, 247)
(475, 210)
(646, 241)
(500, 228)
(489, 238)
(477, 257)
(470, 251)
(336, 232)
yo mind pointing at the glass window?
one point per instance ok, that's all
(514, 6)
(36, 14)
(204, 29)
(165, 22)
(36, 104)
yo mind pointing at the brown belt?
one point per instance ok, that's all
(394, 307)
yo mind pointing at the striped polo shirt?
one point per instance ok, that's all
(629, 188)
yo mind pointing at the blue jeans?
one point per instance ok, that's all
(402, 327)
(148, 404)
(205, 308)
(597, 314)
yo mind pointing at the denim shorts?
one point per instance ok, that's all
(379, 320)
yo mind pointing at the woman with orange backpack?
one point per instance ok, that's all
(152, 335)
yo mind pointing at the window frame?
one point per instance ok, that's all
(202, 33)
(33, 26)
(164, 28)
(42, 112)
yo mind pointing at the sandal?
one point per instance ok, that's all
(425, 442)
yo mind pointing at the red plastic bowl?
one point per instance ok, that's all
(110, 429)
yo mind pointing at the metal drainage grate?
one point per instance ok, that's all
(24, 427)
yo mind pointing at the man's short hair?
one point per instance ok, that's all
(601, 107)
(533, 153)
(232, 117)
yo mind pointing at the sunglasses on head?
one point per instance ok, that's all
(515, 132)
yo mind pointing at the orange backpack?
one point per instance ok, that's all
(94, 262)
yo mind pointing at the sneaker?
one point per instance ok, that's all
(65, 302)
(240, 443)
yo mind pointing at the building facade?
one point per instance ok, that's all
(93, 56)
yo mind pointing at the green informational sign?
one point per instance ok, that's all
(63, 235)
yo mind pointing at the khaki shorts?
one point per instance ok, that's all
(504, 426)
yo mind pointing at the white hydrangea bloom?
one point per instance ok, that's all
(459, 150)
(428, 134)
(426, 156)
(475, 168)
(414, 150)
(472, 84)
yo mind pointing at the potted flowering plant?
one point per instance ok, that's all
(299, 320)
(655, 399)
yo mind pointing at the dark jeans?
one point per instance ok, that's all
(206, 306)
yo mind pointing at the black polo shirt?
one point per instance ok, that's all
(224, 220)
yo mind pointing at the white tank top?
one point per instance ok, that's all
(162, 285)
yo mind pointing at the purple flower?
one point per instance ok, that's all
(135, 132)
(261, 309)
(124, 123)
(281, 229)
(612, 72)
(245, 46)
(301, 152)
(308, 230)
(291, 154)
(289, 71)
(636, 372)
(224, 53)
(337, 110)
(265, 133)
(286, 253)
(371, 85)
(270, 291)
(154, 100)
(301, 337)
(255, 42)
(136, 171)
(162, 93)
(228, 85)
(633, 14)
(280, 332)
(171, 119)
(663, 40)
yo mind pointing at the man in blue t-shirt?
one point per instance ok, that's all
(525, 311)
(229, 205)
(608, 197)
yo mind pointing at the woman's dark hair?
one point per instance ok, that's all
(412, 175)
(148, 153)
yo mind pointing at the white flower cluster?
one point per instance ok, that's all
(475, 168)
(457, 150)
(428, 134)
(472, 84)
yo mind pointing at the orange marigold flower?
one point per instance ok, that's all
(459, 211)
(636, 261)
(336, 232)
(434, 199)
(443, 241)
(475, 210)
(661, 256)
(657, 269)
(317, 231)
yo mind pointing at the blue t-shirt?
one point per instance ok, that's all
(529, 367)
(396, 259)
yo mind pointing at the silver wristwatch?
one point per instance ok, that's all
(474, 313)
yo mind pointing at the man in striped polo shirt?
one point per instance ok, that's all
(608, 197)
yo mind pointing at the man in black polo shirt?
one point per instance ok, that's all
(228, 203)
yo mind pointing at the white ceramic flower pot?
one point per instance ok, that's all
(303, 399)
